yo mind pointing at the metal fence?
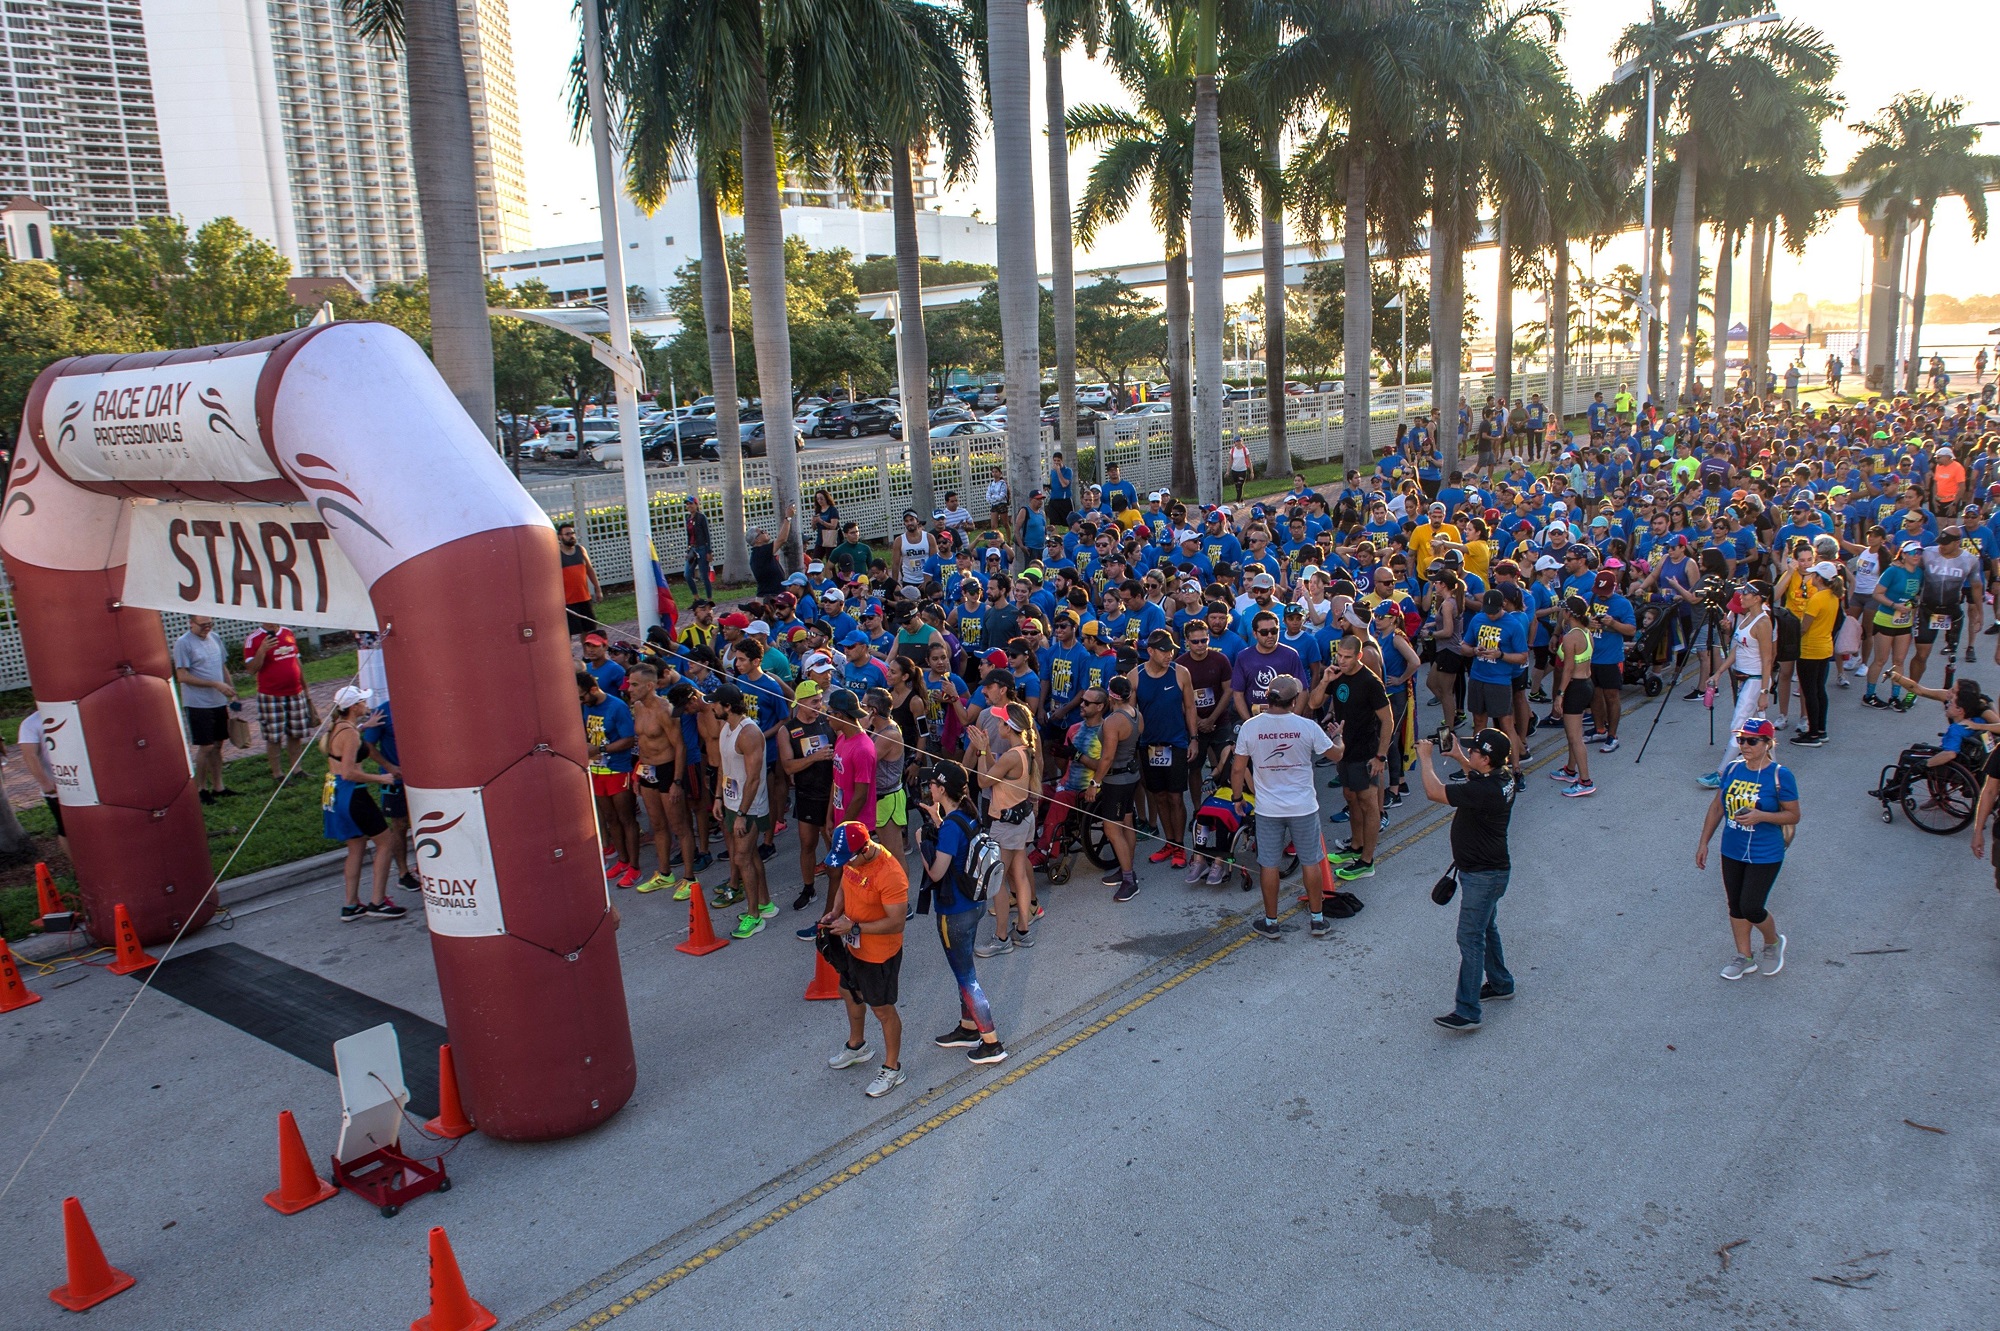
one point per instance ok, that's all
(870, 484)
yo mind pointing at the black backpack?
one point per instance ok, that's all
(1787, 631)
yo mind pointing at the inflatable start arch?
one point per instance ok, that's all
(350, 426)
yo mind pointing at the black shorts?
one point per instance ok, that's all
(580, 619)
(1059, 511)
(206, 725)
(1486, 698)
(1115, 802)
(1170, 775)
(1448, 662)
(1542, 657)
(1926, 632)
(365, 814)
(55, 812)
(1609, 677)
(395, 801)
(1356, 776)
(654, 776)
(873, 983)
(1577, 697)
(810, 806)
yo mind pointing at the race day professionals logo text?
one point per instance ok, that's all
(152, 416)
(450, 854)
(195, 421)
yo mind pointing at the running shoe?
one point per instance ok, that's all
(1781, 724)
(1879, 703)
(1537, 695)
(807, 933)
(686, 889)
(1161, 856)
(1905, 703)
(614, 870)
(1347, 873)
(1343, 855)
(987, 1051)
(1458, 777)
(1319, 926)
(1563, 774)
(349, 914)
(1579, 789)
(658, 881)
(993, 947)
(1024, 937)
(1842, 681)
(1339, 816)
(385, 909)
(766, 852)
(1739, 967)
(703, 861)
(409, 882)
(630, 878)
(768, 911)
(1709, 781)
(848, 1058)
(1114, 877)
(1493, 993)
(1265, 927)
(1195, 869)
(886, 1080)
(725, 896)
(748, 926)
(1610, 745)
(1773, 959)
(1180, 858)
(1393, 800)
(957, 1038)
(804, 898)
(1808, 740)
(1451, 1021)
(778, 827)
(1126, 891)
(1218, 874)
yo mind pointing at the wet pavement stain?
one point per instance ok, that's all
(1484, 1240)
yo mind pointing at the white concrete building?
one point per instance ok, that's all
(657, 246)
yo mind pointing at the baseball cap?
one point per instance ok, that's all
(854, 638)
(1263, 580)
(1826, 570)
(1756, 727)
(807, 689)
(1952, 533)
(348, 695)
(1493, 743)
(1547, 562)
(814, 567)
(1092, 629)
(997, 658)
(1282, 689)
(1910, 548)
(842, 702)
(847, 841)
(757, 628)
(833, 594)
(796, 580)
(597, 638)
(1295, 609)
(735, 619)
(815, 661)
(1607, 581)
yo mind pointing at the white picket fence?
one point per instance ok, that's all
(870, 484)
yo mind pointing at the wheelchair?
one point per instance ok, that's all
(1064, 828)
(1940, 800)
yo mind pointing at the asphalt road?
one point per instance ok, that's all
(1197, 1128)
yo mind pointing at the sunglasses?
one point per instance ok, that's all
(1262, 633)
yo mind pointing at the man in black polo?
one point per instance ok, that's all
(1484, 803)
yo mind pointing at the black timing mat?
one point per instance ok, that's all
(299, 1012)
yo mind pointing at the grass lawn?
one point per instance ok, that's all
(290, 831)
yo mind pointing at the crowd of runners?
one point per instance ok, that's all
(927, 722)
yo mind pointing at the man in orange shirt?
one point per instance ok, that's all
(579, 581)
(1947, 483)
(861, 936)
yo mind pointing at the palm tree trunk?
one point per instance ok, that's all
(771, 332)
(1559, 331)
(1686, 273)
(914, 368)
(1691, 324)
(1359, 315)
(1444, 344)
(1725, 281)
(1062, 251)
(1205, 249)
(1754, 326)
(1278, 457)
(1180, 418)
(447, 199)
(1503, 312)
(1917, 300)
(1020, 286)
(718, 313)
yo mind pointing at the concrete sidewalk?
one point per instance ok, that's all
(1196, 1127)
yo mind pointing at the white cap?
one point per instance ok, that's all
(1263, 580)
(1187, 534)
(815, 661)
(834, 595)
(815, 567)
(1559, 507)
(1157, 494)
(757, 628)
(1550, 530)
(1826, 570)
(348, 695)
(1545, 563)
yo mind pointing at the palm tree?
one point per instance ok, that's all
(1008, 64)
(1917, 151)
(1152, 145)
(1522, 142)
(426, 33)
(1205, 209)
(1708, 88)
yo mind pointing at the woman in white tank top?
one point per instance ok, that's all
(1752, 649)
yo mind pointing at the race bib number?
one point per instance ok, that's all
(1204, 836)
(326, 792)
(731, 791)
(1903, 616)
(1940, 621)
(1204, 697)
(648, 772)
(1159, 755)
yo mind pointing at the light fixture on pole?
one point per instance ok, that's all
(1648, 311)
(625, 370)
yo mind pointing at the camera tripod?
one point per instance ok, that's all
(1709, 631)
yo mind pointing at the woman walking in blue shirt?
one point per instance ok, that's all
(1757, 802)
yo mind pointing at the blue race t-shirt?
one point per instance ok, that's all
(1504, 633)
(605, 723)
(1606, 647)
(1743, 790)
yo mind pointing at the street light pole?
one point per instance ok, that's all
(1403, 356)
(625, 370)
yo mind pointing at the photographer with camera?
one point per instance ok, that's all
(1484, 804)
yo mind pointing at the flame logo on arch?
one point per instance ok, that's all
(304, 462)
(429, 828)
(218, 413)
(66, 428)
(26, 467)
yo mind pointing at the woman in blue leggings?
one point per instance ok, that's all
(950, 823)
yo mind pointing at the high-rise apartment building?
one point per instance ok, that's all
(77, 130)
(269, 111)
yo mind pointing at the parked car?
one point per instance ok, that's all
(955, 429)
(563, 442)
(850, 420)
(950, 412)
(807, 421)
(1086, 420)
(1139, 409)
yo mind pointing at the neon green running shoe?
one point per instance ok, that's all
(748, 926)
(1338, 857)
(768, 911)
(656, 882)
(685, 890)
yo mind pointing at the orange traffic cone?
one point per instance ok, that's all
(299, 1185)
(825, 981)
(452, 1307)
(701, 939)
(451, 1120)
(131, 957)
(92, 1280)
(48, 901)
(13, 994)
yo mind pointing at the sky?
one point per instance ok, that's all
(1930, 44)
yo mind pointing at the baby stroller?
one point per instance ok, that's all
(1650, 650)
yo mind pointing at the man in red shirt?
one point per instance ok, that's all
(284, 710)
